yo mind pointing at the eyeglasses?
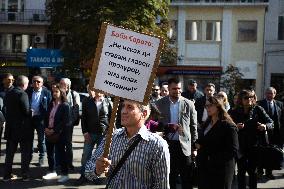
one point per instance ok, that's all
(248, 97)
(156, 89)
(36, 81)
(208, 105)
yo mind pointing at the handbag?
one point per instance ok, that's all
(269, 156)
(123, 159)
(54, 138)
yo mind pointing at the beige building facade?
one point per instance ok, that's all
(211, 34)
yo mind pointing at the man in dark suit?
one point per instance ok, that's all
(179, 116)
(275, 110)
(39, 98)
(200, 103)
(192, 92)
(7, 85)
(19, 127)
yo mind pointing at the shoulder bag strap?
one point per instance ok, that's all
(123, 159)
(73, 97)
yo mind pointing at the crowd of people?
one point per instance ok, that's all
(153, 146)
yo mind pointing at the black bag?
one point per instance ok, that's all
(269, 157)
(75, 116)
(54, 138)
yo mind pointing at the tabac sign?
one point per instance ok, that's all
(37, 57)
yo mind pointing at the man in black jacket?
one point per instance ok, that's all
(96, 111)
(19, 127)
(39, 98)
(7, 82)
(275, 110)
(192, 92)
(200, 103)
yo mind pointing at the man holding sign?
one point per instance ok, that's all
(147, 166)
(124, 66)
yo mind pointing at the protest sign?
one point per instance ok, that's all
(124, 66)
(126, 62)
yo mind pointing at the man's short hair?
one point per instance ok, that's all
(38, 76)
(164, 83)
(173, 80)
(67, 81)
(210, 85)
(192, 82)
(271, 89)
(6, 75)
(22, 80)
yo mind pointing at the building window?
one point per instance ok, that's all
(213, 30)
(172, 34)
(281, 28)
(2, 5)
(247, 31)
(193, 30)
(12, 5)
(5, 42)
(13, 43)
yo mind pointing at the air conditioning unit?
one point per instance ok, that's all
(39, 38)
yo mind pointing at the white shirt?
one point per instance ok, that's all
(272, 106)
(99, 103)
(174, 109)
(35, 101)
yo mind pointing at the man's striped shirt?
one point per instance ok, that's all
(147, 166)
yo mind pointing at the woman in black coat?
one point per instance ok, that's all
(217, 148)
(252, 122)
(57, 121)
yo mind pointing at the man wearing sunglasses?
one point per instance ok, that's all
(155, 94)
(39, 98)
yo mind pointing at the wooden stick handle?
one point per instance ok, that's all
(111, 126)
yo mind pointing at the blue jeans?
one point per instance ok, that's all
(88, 149)
(38, 125)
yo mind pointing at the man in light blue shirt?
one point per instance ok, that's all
(39, 97)
(147, 166)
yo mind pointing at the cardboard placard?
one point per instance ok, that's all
(125, 63)
(124, 66)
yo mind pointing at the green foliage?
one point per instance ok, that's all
(229, 80)
(81, 20)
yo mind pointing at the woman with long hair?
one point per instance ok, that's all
(57, 121)
(252, 122)
(217, 147)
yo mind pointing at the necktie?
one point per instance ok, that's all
(270, 111)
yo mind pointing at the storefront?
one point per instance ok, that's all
(202, 74)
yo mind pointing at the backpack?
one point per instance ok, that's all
(75, 116)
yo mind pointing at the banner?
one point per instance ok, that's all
(44, 58)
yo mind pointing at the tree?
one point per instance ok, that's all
(229, 80)
(81, 20)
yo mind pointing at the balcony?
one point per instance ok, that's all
(220, 2)
(27, 16)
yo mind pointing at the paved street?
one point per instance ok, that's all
(38, 172)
